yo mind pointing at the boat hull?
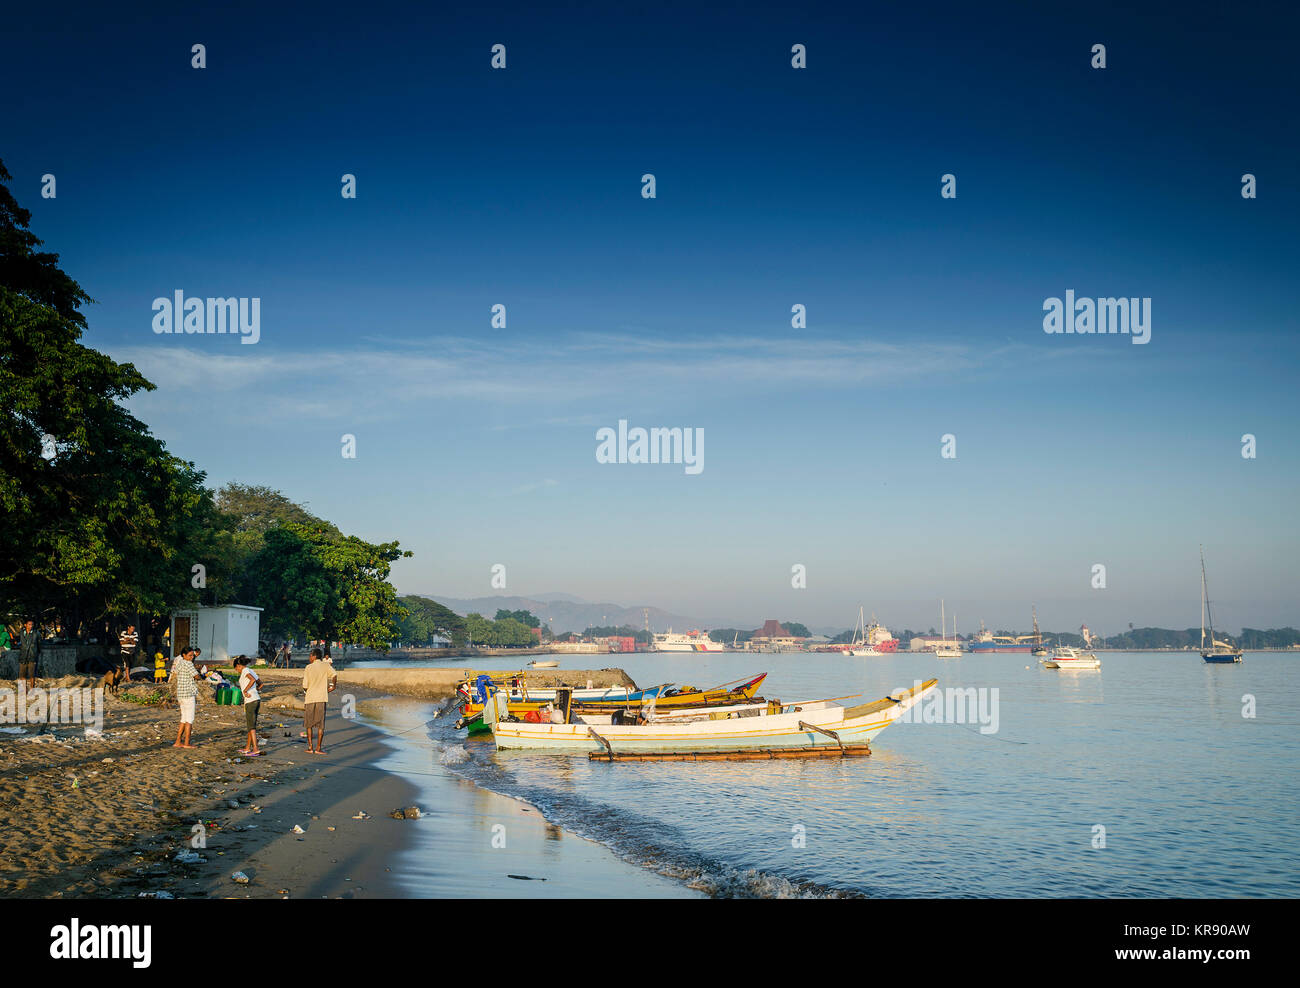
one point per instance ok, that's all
(785, 731)
(689, 647)
(989, 647)
(1221, 658)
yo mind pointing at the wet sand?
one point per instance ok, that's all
(478, 843)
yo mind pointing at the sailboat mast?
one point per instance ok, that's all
(1205, 603)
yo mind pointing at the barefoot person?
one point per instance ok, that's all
(186, 679)
(318, 680)
(248, 683)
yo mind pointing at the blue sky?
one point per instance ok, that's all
(775, 186)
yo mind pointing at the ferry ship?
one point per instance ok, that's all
(691, 641)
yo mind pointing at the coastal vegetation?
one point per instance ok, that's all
(426, 621)
(504, 632)
(103, 525)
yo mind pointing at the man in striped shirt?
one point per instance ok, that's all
(187, 679)
(128, 641)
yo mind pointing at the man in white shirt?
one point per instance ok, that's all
(318, 679)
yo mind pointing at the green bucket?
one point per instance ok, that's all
(229, 696)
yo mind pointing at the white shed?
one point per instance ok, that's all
(222, 632)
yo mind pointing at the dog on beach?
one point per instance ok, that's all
(113, 680)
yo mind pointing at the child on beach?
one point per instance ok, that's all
(186, 679)
(248, 683)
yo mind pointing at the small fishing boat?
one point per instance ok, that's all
(1218, 651)
(772, 730)
(663, 698)
(515, 686)
(550, 664)
(1064, 657)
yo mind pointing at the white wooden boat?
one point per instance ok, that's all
(1065, 657)
(818, 727)
(549, 664)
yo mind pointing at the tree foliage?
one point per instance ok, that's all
(426, 620)
(315, 581)
(99, 518)
(507, 632)
(523, 617)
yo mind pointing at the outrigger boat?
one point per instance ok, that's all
(770, 730)
(663, 698)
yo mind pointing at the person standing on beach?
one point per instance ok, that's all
(29, 649)
(319, 680)
(187, 680)
(248, 683)
(128, 641)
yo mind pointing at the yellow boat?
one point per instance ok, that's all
(664, 698)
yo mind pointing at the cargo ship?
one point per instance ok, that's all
(690, 641)
(986, 641)
(870, 639)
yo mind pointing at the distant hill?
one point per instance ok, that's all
(565, 612)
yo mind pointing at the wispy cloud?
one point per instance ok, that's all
(535, 486)
(379, 379)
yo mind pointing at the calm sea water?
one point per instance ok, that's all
(1195, 799)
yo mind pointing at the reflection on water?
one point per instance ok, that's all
(470, 842)
(1195, 799)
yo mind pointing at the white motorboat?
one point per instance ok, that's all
(1064, 657)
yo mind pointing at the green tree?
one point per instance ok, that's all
(426, 619)
(313, 580)
(523, 617)
(99, 518)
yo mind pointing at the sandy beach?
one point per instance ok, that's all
(107, 815)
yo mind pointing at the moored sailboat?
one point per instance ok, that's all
(947, 649)
(1218, 651)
